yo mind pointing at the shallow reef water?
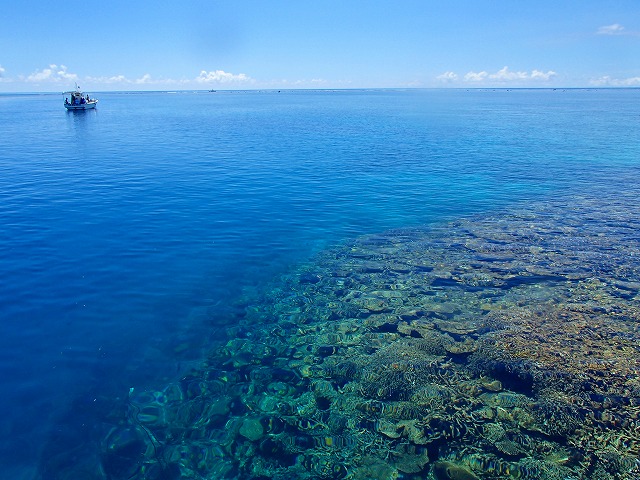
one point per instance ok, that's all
(493, 347)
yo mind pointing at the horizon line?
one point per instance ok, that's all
(227, 90)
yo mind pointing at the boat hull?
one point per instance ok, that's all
(83, 106)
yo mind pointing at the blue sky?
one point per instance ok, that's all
(45, 45)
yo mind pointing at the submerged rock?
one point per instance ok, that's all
(450, 471)
(251, 429)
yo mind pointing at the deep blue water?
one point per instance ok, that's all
(129, 232)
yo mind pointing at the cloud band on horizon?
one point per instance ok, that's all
(504, 75)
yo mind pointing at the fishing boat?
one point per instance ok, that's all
(76, 100)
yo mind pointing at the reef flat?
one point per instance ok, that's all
(494, 347)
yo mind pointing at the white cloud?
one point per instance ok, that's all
(108, 80)
(58, 74)
(52, 74)
(448, 77)
(146, 78)
(220, 76)
(615, 29)
(504, 75)
(475, 76)
(607, 81)
(538, 75)
(2, 70)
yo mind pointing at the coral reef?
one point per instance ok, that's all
(487, 348)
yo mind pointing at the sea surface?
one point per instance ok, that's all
(131, 236)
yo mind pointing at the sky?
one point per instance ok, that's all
(115, 45)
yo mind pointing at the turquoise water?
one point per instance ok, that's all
(131, 233)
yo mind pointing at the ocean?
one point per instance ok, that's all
(165, 236)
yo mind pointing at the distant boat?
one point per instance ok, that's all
(76, 100)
